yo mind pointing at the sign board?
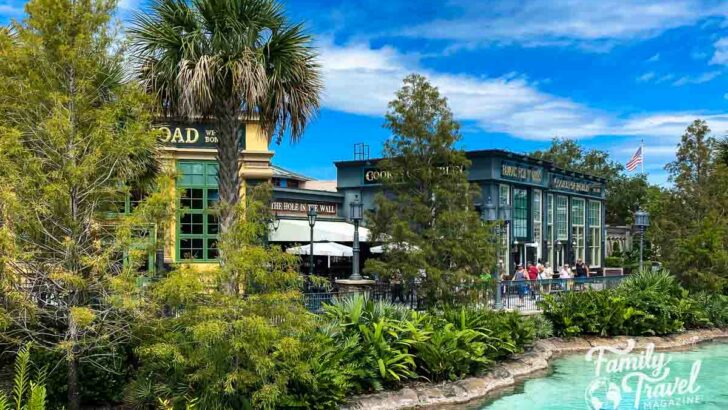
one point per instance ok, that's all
(520, 172)
(581, 186)
(198, 135)
(373, 175)
(299, 207)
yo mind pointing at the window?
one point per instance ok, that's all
(197, 221)
(577, 227)
(549, 224)
(537, 221)
(562, 210)
(595, 233)
(520, 213)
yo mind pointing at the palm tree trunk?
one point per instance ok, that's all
(228, 157)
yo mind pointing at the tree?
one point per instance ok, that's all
(426, 212)
(624, 194)
(231, 61)
(74, 138)
(690, 224)
(228, 351)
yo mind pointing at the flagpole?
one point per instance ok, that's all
(642, 152)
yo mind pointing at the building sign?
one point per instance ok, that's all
(374, 175)
(520, 172)
(297, 207)
(192, 135)
(576, 185)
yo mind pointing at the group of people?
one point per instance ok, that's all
(543, 271)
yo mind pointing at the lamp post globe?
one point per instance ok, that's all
(641, 221)
(355, 213)
(312, 214)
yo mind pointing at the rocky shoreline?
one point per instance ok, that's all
(508, 373)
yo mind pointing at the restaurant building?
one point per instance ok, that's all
(557, 216)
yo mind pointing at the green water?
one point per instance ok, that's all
(572, 383)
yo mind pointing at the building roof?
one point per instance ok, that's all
(279, 172)
(489, 152)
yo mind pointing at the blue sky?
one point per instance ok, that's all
(516, 72)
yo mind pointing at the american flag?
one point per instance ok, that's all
(636, 160)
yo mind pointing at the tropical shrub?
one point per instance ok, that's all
(647, 303)
(27, 394)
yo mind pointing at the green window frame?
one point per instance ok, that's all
(594, 218)
(577, 226)
(537, 220)
(520, 213)
(197, 218)
(562, 215)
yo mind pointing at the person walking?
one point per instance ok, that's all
(520, 278)
(533, 277)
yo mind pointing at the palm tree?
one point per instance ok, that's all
(230, 61)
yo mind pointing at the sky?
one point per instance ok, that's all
(516, 73)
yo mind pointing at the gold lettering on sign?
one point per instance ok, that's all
(526, 174)
(166, 134)
(192, 136)
(177, 136)
(302, 207)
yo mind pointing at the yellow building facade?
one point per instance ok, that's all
(190, 150)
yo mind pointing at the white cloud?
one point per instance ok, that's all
(362, 80)
(699, 79)
(9, 10)
(720, 56)
(592, 24)
(655, 58)
(651, 150)
(646, 77)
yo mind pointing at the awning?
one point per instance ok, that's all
(297, 230)
(322, 249)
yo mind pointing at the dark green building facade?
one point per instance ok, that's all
(557, 216)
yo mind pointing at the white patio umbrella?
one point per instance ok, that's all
(327, 249)
(394, 246)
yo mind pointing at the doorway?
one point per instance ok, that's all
(531, 253)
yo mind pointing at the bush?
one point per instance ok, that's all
(614, 261)
(648, 303)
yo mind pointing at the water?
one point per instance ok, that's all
(572, 383)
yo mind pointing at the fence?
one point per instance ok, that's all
(515, 295)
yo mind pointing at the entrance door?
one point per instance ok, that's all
(559, 257)
(518, 255)
(532, 254)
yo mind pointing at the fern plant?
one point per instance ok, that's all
(27, 394)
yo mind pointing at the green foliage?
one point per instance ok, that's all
(429, 221)
(689, 225)
(75, 138)
(645, 304)
(225, 61)
(614, 261)
(27, 393)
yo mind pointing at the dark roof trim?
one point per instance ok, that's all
(316, 192)
(491, 152)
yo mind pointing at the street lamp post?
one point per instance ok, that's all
(312, 214)
(491, 217)
(504, 219)
(356, 217)
(641, 221)
(273, 224)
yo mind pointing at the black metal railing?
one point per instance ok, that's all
(515, 295)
